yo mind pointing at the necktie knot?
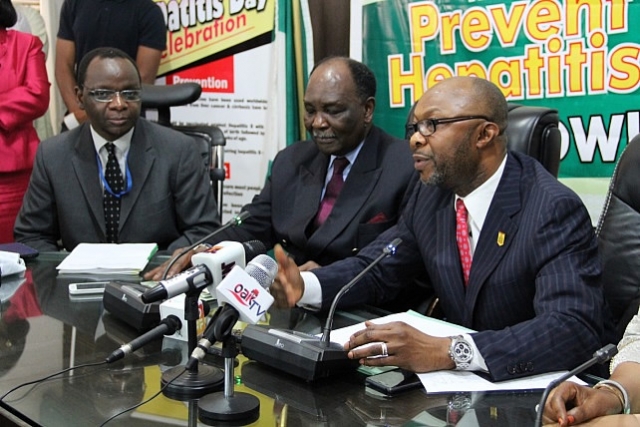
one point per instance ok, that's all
(111, 148)
(339, 164)
(461, 209)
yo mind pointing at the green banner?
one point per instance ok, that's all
(577, 56)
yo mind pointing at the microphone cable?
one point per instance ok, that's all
(144, 402)
(86, 365)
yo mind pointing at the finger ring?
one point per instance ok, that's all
(385, 352)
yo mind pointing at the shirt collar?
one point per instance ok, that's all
(351, 156)
(122, 144)
(479, 200)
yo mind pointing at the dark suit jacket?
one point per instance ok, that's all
(534, 292)
(369, 203)
(171, 202)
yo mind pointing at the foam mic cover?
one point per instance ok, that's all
(222, 257)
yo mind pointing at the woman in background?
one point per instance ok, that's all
(24, 96)
(571, 404)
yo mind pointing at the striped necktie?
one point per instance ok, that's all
(333, 190)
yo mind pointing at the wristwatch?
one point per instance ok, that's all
(461, 352)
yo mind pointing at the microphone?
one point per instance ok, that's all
(221, 258)
(235, 221)
(193, 279)
(209, 268)
(303, 355)
(245, 295)
(167, 327)
(603, 355)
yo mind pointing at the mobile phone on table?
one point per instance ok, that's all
(87, 288)
(26, 252)
(394, 382)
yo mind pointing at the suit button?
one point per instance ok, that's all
(511, 370)
(530, 367)
(354, 250)
(284, 242)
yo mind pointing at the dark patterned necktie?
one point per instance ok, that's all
(113, 178)
(333, 190)
(462, 237)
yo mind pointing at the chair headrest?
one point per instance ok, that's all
(624, 183)
(527, 124)
(163, 96)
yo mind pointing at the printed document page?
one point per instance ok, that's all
(451, 381)
(108, 258)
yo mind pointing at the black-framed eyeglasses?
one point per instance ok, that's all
(108, 95)
(427, 127)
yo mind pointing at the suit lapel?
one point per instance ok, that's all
(140, 160)
(307, 198)
(361, 181)
(85, 165)
(498, 230)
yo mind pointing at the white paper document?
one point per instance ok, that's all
(451, 381)
(108, 258)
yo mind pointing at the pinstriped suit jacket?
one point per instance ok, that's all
(535, 298)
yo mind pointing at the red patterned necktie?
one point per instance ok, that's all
(462, 237)
(333, 189)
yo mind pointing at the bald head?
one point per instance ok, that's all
(362, 76)
(475, 96)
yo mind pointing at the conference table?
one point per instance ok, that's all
(43, 331)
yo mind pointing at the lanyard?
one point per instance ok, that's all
(106, 184)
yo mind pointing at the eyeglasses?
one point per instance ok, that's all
(108, 95)
(427, 127)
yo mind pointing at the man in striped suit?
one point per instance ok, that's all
(509, 251)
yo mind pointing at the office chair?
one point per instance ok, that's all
(209, 139)
(530, 130)
(618, 233)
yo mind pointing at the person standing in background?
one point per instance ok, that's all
(24, 90)
(136, 27)
(30, 21)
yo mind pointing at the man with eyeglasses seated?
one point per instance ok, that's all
(117, 178)
(509, 251)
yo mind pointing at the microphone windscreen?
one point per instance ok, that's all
(253, 248)
(263, 269)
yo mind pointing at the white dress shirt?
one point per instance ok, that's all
(122, 150)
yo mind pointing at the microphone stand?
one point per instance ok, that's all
(228, 406)
(196, 382)
(600, 356)
(390, 249)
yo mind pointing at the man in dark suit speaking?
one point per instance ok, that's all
(117, 178)
(508, 250)
(329, 196)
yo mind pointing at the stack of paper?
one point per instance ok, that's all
(108, 258)
(451, 381)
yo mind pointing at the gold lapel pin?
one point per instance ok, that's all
(501, 237)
